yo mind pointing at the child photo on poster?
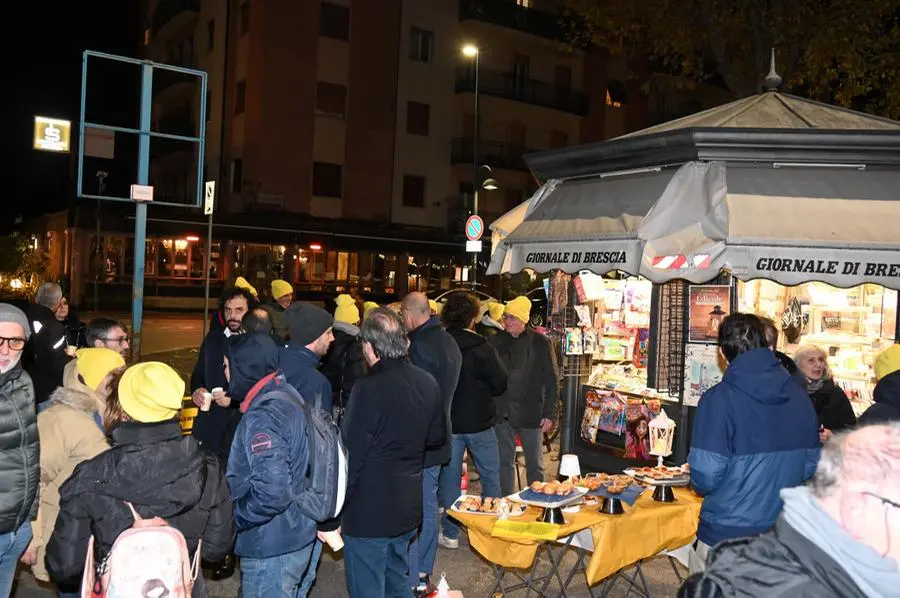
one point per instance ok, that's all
(637, 429)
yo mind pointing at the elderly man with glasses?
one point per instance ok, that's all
(19, 461)
(838, 537)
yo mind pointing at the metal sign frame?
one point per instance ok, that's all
(144, 133)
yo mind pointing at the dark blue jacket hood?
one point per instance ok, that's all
(250, 358)
(759, 375)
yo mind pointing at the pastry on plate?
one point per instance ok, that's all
(550, 488)
(615, 489)
(537, 486)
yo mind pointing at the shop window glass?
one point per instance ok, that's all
(197, 255)
(330, 266)
(353, 269)
(166, 248)
(390, 272)
(343, 266)
(318, 260)
(366, 270)
(151, 267)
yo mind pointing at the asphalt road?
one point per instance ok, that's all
(163, 331)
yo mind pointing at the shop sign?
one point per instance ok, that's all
(52, 134)
(584, 258)
(842, 267)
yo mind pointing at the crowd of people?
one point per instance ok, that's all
(412, 387)
(798, 500)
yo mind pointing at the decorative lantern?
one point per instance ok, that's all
(569, 466)
(715, 320)
(662, 433)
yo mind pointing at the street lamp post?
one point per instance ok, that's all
(472, 51)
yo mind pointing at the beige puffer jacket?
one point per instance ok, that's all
(69, 434)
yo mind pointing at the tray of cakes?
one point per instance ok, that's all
(475, 505)
(604, 484)
(549, 494)
(662, 476)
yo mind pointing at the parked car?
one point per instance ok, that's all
(441, 296)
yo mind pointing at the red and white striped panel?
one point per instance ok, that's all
(680, 262)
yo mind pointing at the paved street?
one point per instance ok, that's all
(163, 331)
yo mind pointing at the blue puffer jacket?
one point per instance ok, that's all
(754, 433)
(300, 367)
(266, 469)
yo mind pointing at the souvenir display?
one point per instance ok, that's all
(852, 325)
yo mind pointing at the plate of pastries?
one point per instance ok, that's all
(553, 488)
(662, 475)
(612, 483)
(475, 505)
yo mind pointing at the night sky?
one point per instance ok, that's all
(43, 76)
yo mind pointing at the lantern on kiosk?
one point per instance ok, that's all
(715, 322)
(662, 433)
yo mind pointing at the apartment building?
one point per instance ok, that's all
(342, 133)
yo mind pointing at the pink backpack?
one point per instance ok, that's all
(148, 560)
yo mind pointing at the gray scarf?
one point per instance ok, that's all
(873, 574)
(814, 386)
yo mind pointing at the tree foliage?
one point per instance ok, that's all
(835, 51)
(20, 260)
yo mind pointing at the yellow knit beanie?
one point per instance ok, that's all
(346, 310)
(95, 363)
(519, 308)
(280, 288)
(151, 392)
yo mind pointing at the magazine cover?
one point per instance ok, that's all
(707, 307)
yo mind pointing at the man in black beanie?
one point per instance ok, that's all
(310, 333)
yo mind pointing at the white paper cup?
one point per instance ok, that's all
(207, 402)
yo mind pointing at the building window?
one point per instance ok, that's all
(558, 139)
(413, 191)
(210, 35)
(245, 18)
(328, 180)
(417, 117)
(334, 21)
(331, 99)
(615, 94)
(421, 48)
(240, 97)
(525, 3)
(237, 175)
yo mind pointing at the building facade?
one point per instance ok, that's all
(342, 137)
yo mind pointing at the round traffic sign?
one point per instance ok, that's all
(474, 228)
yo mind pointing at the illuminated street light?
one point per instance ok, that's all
(470, 50)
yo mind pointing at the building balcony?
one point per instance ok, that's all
(176, 11)
(512, 16)
(507, 85)
(495, 155)
(182, 86)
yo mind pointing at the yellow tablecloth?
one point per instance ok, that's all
(645, 530)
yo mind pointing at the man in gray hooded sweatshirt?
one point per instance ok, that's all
(838, 537)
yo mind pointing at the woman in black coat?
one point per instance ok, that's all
(151, 465)
(482, 377)
(831, 404)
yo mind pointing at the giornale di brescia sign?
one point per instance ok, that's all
(52, 134)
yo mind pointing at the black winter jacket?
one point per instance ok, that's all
(45, 355)
(19, 461)
(395, 414)
(833, 407)
(779, 564)
(532, 392)
(214, 429)
(435, 351)
(482, 377)
(887, 402)
(163, 474)
(344, 364)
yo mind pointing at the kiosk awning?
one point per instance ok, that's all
(788, 223)
(589, 223)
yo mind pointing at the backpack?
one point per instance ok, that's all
(325, 484)
(149, 559)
